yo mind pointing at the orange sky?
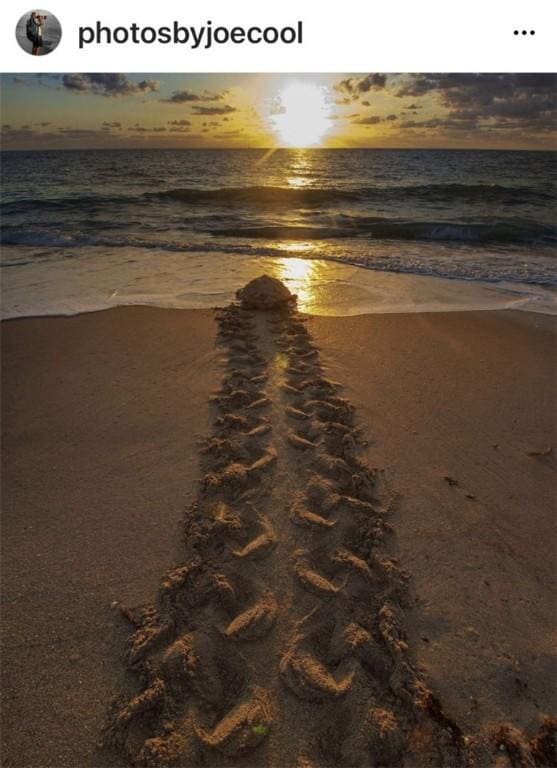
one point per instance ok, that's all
(271, 110)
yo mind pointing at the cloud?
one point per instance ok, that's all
(230, 134)
(78, 133)
(224, 110)
(185, 96)
(179, 122)
(145, 129)
(102, 84)
(106, 125)
(354, 87)
(525, 101)
(369, 120)
(15, 133)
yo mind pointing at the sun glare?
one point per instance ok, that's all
(303, 117)
(301, 276)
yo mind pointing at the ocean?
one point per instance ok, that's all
(83, 230)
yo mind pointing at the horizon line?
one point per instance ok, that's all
(280, 149)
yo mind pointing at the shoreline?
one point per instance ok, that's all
(324, 287)
(102, 416)
(551, 318)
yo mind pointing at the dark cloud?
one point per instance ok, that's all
(144, 129)
(369, 120)
(230, 134)
(445, 124)
(23, 130)
(77, 133)
(354, 87)
(185, 96)
(18, 134)
(526, 102)
(178, 129)
(179, 122)
(106, 84)
(224, 110)
(108, 125)
(391, 117)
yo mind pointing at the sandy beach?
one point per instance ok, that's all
(396, 466)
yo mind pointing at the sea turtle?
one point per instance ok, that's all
(264, 293)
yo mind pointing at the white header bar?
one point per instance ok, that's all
(351, 36)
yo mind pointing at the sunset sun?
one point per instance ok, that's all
(303, 118)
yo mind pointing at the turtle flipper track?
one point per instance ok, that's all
(280, 639)
(241, 729)
(255, 621)
(186, 647)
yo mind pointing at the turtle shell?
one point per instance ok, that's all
(264, 293)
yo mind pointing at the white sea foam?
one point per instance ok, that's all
(90, 281)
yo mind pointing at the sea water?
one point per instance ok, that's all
(350, 230)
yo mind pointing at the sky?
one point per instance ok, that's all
(86, 111)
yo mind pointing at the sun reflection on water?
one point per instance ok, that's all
(301, 277)
(298, 182)
(296, 247)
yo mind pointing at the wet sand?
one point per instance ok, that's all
(319, 611)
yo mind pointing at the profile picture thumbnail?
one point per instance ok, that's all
(38, 32)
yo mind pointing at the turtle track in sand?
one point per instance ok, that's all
(280, 640)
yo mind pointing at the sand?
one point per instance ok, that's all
(367, 573)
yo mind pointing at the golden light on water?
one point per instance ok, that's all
(298, 182)
(303, 119)
(301, 276)
(296, 247)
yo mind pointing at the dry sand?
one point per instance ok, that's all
(278, 636)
